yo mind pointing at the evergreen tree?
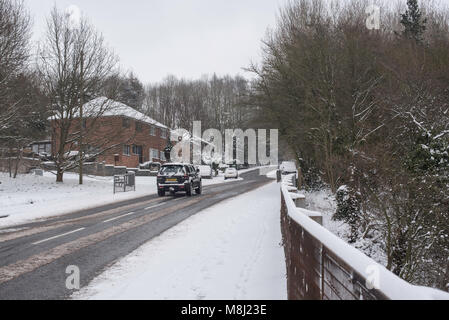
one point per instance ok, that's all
(132, 92)
(414, 24)
(348, 209)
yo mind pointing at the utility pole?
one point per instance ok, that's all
(81, 117)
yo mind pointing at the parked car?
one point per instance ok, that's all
(206, 172)
(150, 165)
(288, 167)
(222, 167)
(231, 173)
(178, 177)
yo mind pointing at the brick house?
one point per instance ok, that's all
(117, 134)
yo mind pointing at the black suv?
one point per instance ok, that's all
(174, 177)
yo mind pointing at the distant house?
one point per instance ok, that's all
(117, 134)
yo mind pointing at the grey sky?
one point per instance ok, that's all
(186, 38)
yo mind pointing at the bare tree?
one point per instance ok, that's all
(22, 109)
(30, 124)
(74, 63)
(14, 53)
(215, 101)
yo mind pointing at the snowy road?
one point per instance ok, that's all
(34, 257)
(230, 251)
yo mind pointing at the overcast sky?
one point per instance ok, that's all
(186, 38)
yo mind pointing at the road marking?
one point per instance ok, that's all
(155, 206)
(58, 236)
(116, 218)
(128, 214)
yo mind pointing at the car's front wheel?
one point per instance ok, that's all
(161, 193)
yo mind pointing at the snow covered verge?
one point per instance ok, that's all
(229, 251)
(31, 197)
(324, 202)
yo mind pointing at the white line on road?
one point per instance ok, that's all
(116, 218)
(155, 206)
(128, 214)
(61, 235)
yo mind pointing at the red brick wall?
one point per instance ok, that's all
(109, 133)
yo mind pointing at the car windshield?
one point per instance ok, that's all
(171, 170)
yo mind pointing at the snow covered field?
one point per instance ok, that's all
(229, 251)
(31, 197)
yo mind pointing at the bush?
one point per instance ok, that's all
(348, 209)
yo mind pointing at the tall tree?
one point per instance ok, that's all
(30, 124)
(22, 107)
(74, 64)
(413, 21)
(131, 91)
(14, 53)
(215, 101)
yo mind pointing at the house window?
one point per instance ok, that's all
(137, 150)
(126, 150)
(162, 156)
(126, 123)
(163, 133)
(138, 127)
(153, 130)
(154, 154)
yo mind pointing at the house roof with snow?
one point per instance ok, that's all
(105, 107)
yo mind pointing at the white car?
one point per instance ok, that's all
(231, 173)
(287, 167)
(222, 167)
(205, 172)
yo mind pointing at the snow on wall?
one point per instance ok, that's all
(390, 285)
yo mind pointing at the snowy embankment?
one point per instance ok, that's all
(229, 251)
(324, 202)
(31, 197)
(351, 258)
